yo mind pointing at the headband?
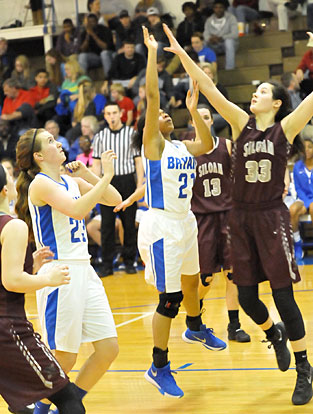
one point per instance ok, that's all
(33, 143)
(3, 177)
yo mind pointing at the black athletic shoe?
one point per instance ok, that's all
(237, 334)
(104, 271)
(303, 390)
(27, 410)
(130, 269)
(279, 343)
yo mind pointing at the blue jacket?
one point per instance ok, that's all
(303, 183)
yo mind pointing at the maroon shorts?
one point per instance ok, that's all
(28, 370)
(214, 249)
(262, 247)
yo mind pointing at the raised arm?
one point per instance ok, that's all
(203, 142)
(293, 123)
(233, 114)
(45, 191)
(153, 142)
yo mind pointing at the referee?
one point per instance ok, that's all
(117, 137)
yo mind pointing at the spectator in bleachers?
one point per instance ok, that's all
(166, 87)
(304, 70)
(204, 52)
(8, 140)
(126, 104)
(54, 129)
(290, 82)
(96, 45)
(68, 94)
(44, 95)
(22, 72)
(37, 14)
(89, 103)
(141, 102)
(219, 122)
(68, 40)
(86, 155)
(7, 60)
(89, 126)
(221, 33)
(94, 6)
(126, 66)
(143, 5)
(303, 179)
(55, 66)
(125, 29)
(18, 107)
(156, 29)
(279, 9)
(192, 23)
(110, 10)
(245, 11)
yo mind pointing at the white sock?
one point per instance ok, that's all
(296, 236)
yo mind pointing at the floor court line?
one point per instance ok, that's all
(134, 319)
(196, 370)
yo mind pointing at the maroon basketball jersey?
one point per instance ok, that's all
(12, 304)
(259, 161)
(211, 190)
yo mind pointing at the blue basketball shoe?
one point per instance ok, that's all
(205, 337)
(163, 379)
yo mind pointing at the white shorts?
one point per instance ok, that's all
(169, 248)
(75, 313)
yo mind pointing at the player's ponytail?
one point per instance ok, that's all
(26, 146)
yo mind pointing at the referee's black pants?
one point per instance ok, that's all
(126, 185)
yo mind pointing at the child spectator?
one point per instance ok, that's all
(86, 155)
(44, 95)
(126, 104)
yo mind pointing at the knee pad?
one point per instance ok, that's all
(68, 400)
(289, 312)
(251, 304)
(229, 276)
(204, 276)
(169, 304)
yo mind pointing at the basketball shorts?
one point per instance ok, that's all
(75, 313)
(214, 248)
(262, 247)
(168, 245)
(29, 372)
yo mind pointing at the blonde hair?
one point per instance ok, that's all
(118, 88)
(204, 65)
(76, 70)
(93, 122)
(25, 64)
(84, 99)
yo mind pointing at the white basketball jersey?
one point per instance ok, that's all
(169, 181)
(66, 237)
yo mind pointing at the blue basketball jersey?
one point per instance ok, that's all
(169, 181)
(66, 237)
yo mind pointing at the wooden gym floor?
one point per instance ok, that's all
(241, 379)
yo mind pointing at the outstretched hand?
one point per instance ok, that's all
(192, 98)
(123, 205)
(149, 39)
(174, 46)
(310, 34)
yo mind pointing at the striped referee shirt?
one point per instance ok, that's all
(120, 142)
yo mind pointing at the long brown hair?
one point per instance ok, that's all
(26, 146)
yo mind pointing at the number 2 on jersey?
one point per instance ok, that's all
(78, 231)
(183, 177)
